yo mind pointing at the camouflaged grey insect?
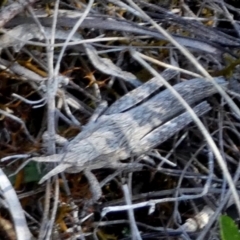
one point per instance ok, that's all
(116, 136)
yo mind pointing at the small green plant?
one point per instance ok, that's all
(31, 174)
(228, 228)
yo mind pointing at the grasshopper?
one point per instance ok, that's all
(125, 130)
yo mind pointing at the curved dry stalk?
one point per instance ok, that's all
(202, 128)
(75, 28)
(15, 208)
